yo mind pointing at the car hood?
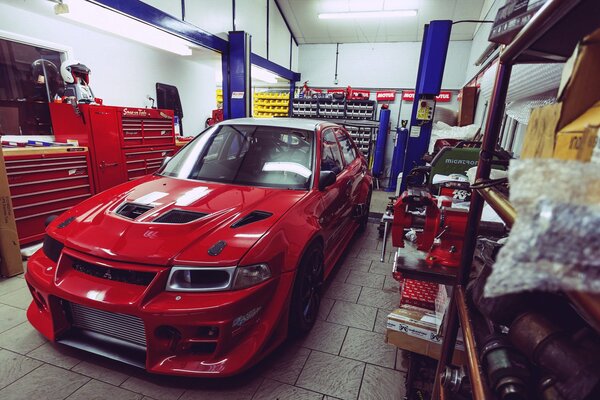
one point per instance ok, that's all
(94, 226)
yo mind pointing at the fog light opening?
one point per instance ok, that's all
(168, 334)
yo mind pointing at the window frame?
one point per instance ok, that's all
(342, 132)
(323, 131)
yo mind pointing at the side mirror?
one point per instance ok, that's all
(326, 178)
(165, 161)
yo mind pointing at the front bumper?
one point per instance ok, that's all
(216, 333)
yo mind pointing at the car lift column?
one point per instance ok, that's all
(429, 82)
(237, 91)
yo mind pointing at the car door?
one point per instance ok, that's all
(334, 198)
(353, 164)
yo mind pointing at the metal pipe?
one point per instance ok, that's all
(500, 204)
(588, 305)
(475, 372)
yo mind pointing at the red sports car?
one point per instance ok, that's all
(204, 267)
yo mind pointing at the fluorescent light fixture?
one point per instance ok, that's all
(369, 14)
(114, 22)
(263, 75)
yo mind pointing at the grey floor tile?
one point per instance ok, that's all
(355, 315)
(103, 370)
(11, 317)
(273, 390)
(369, 347)
(366, 279)
(156, 387)
(325, 336)
(96, 390)
(386, 299)
(370, 254)
(20, 298)
(391, 284)
(332, 375)
(381, 321)
(56, 354)
(339, 275)
(286, 363)
(382, 384)
(46, 382)
(356, 265)
(13, 366)
(342, 291)
(325, 307)
(11, 284)
(381, 268)
(237, 388)
(21, 339)
(379, 201)
(402, 360)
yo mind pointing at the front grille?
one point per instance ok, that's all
(121, 326)
(141, 278)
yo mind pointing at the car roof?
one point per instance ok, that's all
(293, 123)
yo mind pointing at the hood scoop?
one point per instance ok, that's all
(179, 217)
(132, 210)
(254, 216)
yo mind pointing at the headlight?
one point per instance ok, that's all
(251, 275)
(52, 248)
(201, 279)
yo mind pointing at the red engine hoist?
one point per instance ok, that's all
(443, 229)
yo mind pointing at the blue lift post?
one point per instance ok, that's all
(434, 49)
(239, 75)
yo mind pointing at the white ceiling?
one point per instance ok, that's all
(302, 15)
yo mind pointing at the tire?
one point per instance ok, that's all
(306, 295)
(364, 220)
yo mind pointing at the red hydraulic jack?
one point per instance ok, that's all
(443, 229)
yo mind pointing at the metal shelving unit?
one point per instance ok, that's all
(550, 36)
(357, 116)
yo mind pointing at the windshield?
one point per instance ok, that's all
(247, 155)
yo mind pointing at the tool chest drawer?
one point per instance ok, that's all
(148, 129)
(145, 160)
(45, 184)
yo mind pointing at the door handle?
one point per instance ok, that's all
(104, 164)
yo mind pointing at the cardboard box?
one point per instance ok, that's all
(415, 329)
(580, 84)
(540, 137)
(467, 105)
(576, 140)
(559, 131)
(10, 252)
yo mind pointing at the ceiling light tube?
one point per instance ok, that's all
(369, 14)
(119, 24)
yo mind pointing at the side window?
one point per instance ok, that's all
(331, 158)
(348, 150)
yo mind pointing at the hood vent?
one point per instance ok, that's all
(254, 216)
(179, 217)
(132, 211)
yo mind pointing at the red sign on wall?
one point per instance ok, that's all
(357, 94)
(332, 91)
(443, 97)
(386, 95)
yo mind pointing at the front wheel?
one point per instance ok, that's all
(364, 219)
(306, 296)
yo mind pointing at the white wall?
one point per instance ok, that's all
(392, 65)
(251, 16)
(215, 17)
(279, 37)
(123, 71)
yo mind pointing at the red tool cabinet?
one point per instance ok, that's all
(45, 182)
(125, 143)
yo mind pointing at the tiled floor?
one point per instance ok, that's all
(343, 357)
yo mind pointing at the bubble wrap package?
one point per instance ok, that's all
(554, 244)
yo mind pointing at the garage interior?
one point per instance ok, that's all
(473, 167)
